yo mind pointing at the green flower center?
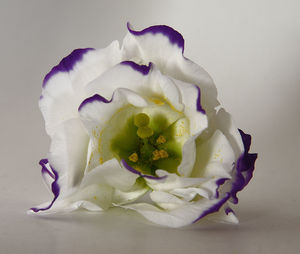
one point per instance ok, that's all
(148, 144)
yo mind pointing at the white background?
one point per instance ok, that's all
(250, 48)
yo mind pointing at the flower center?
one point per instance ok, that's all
(148, 144)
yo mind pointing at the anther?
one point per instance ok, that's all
(133, 157)
(161, 140)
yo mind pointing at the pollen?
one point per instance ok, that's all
(156, 155)
(133, 157)
(159, 154)
(163, 154)
(161, 140)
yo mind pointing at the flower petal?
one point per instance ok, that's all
(63, 85)
(244, 168)
(68, 152)
(168, 181)
(179, 217)
(215, 157)
(164, 47)
(144, 80)
(48, 172)
(110, 173)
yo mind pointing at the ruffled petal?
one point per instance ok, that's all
(63, 85)
(144, 80)
(244, 168)
(51, 178)
(181, 216)
(164, 46)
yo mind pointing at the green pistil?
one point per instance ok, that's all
(147, 148)
(141, 120)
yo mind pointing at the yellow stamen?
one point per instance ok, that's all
(161, 140)
(156, 155)
(159, 154)
(163, 154)
(133, 157)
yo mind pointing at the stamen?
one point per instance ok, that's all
(159, 154)
(156, 155)
(141, 120)
(161, 140)
(133, 157)
(163, 154)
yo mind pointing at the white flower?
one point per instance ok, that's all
(140, 127)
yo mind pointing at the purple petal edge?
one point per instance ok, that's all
(216, 207)
(244, 168)
(139, 173)
(198, 102)
(67, 63)
(45, 170)
(220, 182)
(173, 36)
(54, 186)
(229, 210)
(144, 69)
(93, 98)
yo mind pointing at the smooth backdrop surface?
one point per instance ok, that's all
(250, 48)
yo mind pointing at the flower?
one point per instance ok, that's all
(140, 127)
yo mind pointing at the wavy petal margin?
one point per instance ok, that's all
(144, 69)
(54, 186)
(173, 36)
(67, 63)
(216, 207)
(244, 168)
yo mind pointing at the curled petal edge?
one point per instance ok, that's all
(54, 186)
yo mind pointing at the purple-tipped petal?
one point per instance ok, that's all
(198, 103)
(144, 69)
(139, 173)
(95, 97)
(67, 63)
(45, 170)
(173, 36)
(219, 183)
(54, 186)
(244, 168)
(214, 208)
(228, 210)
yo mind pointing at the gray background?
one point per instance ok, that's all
(251, 49)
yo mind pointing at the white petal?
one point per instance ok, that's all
(188, 157)
(167, 200)
(190, 193)
(181, 216)
(191, 98)
(68, 153)
(96, 111)
(224, 122)
(224, 215)
(164, 47)
(62, 90)
(125, 197)
(215, 157)
(146, 81)
(172, 181)
(110, 173)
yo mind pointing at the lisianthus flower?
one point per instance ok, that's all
(140, 127)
